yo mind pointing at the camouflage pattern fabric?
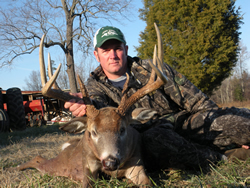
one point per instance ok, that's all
(188, 125)
(163, 148)
(222, 129)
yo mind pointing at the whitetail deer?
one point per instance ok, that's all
(109, 144)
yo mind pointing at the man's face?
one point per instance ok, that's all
(112, 56)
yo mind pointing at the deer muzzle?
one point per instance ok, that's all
(110, 163)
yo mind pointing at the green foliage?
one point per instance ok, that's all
(238, 93)
(200, 37)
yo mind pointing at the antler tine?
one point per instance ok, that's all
(85, 95)
(41, 62)
(160, 63)
(124, 92)
(91, 111)
(46, 90)
(51, 81)
(50, 73)
(152, 85)
(160, 46)
(156, 70)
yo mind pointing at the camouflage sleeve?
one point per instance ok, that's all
(186, 94)
(96, 94)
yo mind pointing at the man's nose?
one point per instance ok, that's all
(112, 53)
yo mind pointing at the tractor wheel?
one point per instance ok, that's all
(1, 99)
(15, 109)
(4, 121)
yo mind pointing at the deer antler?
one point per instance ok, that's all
(152, 85)
(91, 111)
(46, 90)
(50, 73)
(58, 93)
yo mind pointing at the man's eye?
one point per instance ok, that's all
(105, 51)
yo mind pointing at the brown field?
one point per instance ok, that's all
(243, 104)
(19, 147)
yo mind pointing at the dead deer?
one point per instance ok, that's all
(108, 144)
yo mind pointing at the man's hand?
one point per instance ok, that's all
(78, 109)
(245, 146)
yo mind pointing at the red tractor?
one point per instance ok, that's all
(19, 109)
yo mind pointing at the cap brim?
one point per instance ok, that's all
(103, 41)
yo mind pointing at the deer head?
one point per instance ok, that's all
(107, 130)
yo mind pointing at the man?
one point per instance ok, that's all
(188, 130)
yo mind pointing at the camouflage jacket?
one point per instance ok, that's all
(176, 97)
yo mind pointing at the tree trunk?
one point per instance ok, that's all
(69, 56)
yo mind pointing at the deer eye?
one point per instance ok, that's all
(122, 131)
(93, 133)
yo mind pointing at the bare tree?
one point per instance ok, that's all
(239, 79)
(83, 68)
(247, 86)
(33, 82)
(224, 93)
(62, 80)
(240, 68)
(65, 22)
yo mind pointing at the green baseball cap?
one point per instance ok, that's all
(106, 33)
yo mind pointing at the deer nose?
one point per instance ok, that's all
(110, 163)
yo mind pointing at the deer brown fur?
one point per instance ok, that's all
(116, 153)
(109, 143)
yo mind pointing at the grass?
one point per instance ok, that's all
(19, 147)
(238, 104)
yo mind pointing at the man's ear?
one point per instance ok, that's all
(96, 55)
(126, 48)
(142, 115)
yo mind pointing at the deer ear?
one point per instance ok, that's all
(77, 125)
(142, 115)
